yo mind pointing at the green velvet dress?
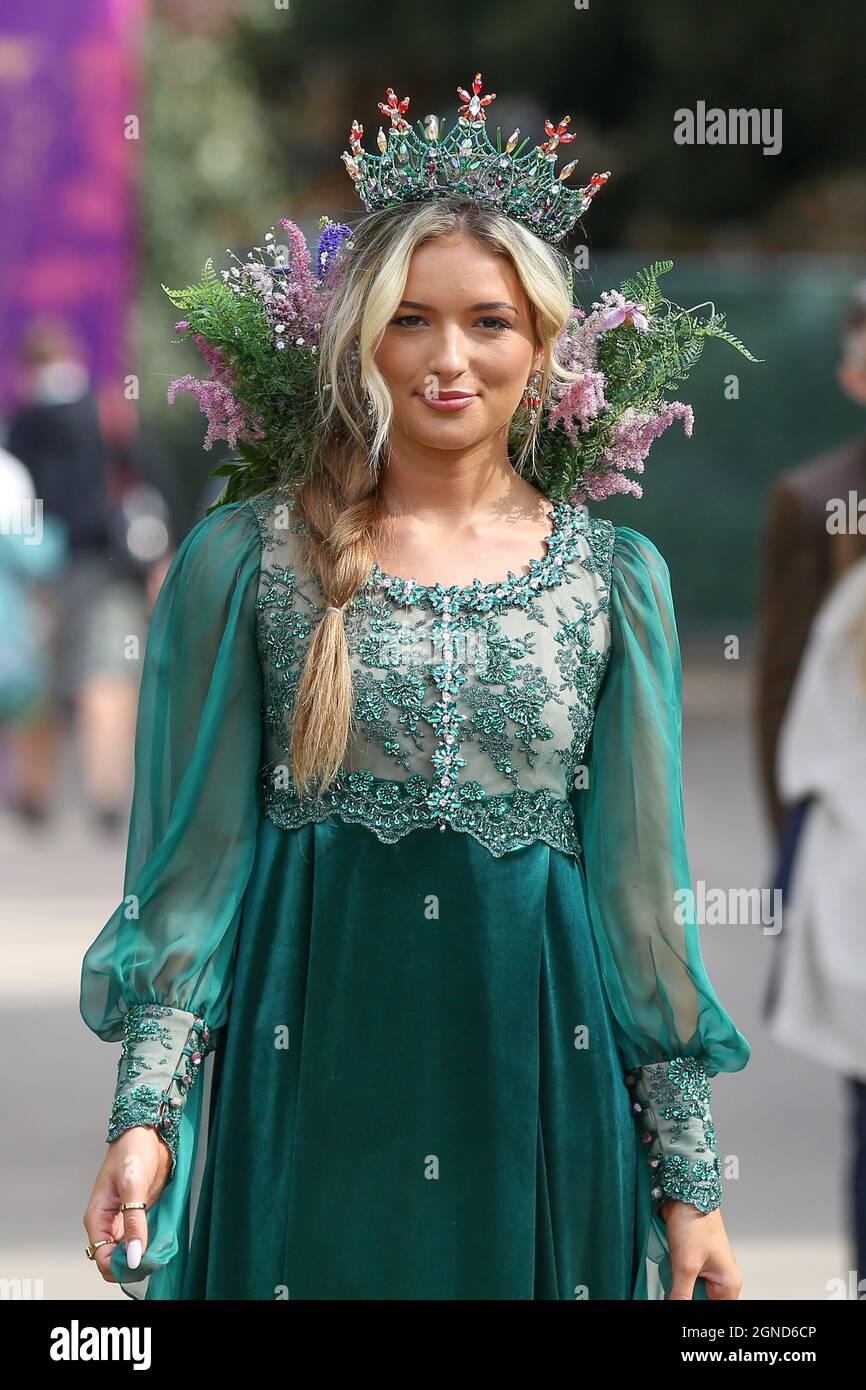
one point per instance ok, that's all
(452, 1023)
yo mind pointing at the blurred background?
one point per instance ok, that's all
(139, 138)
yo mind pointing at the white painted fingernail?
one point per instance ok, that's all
(133, 1254)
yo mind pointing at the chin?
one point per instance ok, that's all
(447, 436)
(449, 431)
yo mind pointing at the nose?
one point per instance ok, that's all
(449, 357)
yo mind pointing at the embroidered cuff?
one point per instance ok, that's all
(165, 1047)
(671, 1101)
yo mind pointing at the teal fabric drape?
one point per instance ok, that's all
(631, 824)
(194, 821)
(401, 1103)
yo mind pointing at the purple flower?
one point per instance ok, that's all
(329, 242)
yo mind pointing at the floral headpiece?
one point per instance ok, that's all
(423, 164)
(257, 326)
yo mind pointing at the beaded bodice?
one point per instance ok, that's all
(472, 704)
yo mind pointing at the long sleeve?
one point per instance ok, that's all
(672, 1031)
(159, 974)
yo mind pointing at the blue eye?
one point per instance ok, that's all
(498, 325)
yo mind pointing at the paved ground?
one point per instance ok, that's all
(782, 1119)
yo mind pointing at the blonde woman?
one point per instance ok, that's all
(422, 926)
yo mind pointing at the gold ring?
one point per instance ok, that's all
(131, 1206)
(91, 1249)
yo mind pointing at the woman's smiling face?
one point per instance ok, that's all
(463, 332)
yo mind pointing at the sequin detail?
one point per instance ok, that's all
(171, 1045)
(672, 1106)
(472, 704)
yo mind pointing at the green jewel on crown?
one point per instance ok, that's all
(415, 166)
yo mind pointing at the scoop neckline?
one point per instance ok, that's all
(542, 572)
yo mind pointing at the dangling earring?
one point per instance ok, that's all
(531, 398)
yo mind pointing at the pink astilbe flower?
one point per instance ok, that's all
(299, 254)
(298, 302)
(220, 368)
(225, 417)
(214, 357)
(577, 349)
(575, 346)
(598, 485)
(631, 440)
(582, 402)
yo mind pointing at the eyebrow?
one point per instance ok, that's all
(491, 304)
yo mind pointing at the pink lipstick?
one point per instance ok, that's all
(449, 400)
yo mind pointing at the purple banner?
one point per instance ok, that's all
(69, 105)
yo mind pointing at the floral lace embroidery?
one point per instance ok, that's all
(392, 809)
(515, 590)
(446, 679)
(142, 1026)
(675, 1096)
(176, 1046)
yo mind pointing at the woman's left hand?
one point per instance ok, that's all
(699, 1247)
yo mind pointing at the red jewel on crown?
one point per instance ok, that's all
(355, 133)
(395, 109)
(557, 134)
(596, 182)
(473, 107)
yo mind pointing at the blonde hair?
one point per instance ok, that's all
(338, 500)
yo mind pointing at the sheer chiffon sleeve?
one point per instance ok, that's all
(159, 974)
(672, 1030)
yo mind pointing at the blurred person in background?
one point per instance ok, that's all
(820, 997)
(802, 559)
(95, 618)
(31, 552)
(140, 486)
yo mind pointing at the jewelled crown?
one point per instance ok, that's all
(423, 164)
